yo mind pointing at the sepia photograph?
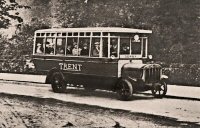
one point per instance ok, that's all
(99, 63)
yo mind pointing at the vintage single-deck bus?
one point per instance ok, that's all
(107, 58)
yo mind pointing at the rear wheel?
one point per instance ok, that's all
(125, 89)
(57, 83)
(159, 90)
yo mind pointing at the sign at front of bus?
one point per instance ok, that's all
(70, 67)
(131, 56)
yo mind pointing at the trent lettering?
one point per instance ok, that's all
(70, 67)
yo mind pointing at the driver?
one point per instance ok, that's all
(113, 48)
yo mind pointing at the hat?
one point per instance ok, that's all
(74, 43)
(96, 43)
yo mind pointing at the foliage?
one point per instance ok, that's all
(184, 74)
(15, 50)
(175, 24)
(8, 12)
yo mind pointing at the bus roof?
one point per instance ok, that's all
(96, 29)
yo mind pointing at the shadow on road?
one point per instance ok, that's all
(176, 97)
(105, 94)
(113, 95)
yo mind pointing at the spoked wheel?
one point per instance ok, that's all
(57, 83)
(125, 89)
(159, 90)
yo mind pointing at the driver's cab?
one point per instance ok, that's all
(121, 46)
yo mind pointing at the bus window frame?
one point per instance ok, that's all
(91, 35)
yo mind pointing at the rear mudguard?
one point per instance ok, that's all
(50, 73)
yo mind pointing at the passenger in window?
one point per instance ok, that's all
(85, 50)
(96, 49)
(113, 48)
(69, 49)
(60, 51)
(49, 48)
(76, 51)
(39, 48)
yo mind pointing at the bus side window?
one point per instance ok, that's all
(84, 44)
(39, 46)
(114, 47)
(125, 46)
(72, 46)
(60, 46)
(136, 47)
(105, 47)
(95, 49)
(50, 46)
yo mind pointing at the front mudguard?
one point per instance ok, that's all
(131, 80)
(50, 73)
(164, 78)
(137, 84)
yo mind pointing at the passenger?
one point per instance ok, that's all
(76, 51)
(69, 49)
(60, 51)
(113, 49)
(39, 49)
(96, 49)
(49, 48)
(85, 50)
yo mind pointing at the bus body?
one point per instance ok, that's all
(107, 58)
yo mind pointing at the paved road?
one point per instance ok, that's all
(180, 108)
(33, 112)
(173, 90)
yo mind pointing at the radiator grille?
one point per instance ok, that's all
(152, 75)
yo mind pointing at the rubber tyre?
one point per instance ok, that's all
(124, 90)
(159, 91)
(57, 83)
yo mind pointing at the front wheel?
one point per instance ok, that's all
(124, 89)
(159, 90)
(57, 83)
